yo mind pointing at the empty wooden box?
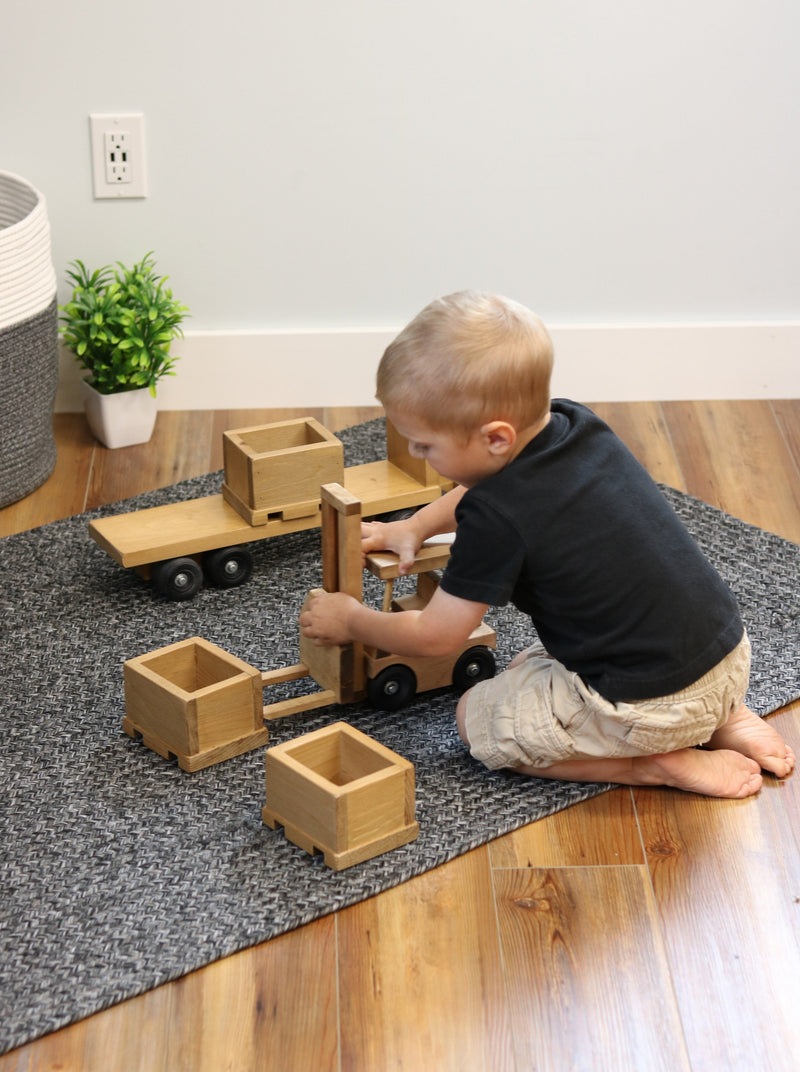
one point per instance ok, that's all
(194, 701)
(277, 469)
(339, 792)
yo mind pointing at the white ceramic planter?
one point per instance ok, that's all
(120, 420)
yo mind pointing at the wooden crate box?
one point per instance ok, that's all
(339, 792)
(277, 469)
(195, 701)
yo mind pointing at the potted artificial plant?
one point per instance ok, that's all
(119, 325)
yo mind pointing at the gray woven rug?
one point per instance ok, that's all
(120, 872)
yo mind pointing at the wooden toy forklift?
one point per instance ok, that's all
(354, 671)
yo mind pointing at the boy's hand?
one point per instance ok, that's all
(324, 618)
(397, 536)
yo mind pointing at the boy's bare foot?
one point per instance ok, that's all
(722, 773)
(745, 732)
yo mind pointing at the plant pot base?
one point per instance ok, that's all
(120, 420)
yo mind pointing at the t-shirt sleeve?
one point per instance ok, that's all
(487, 555)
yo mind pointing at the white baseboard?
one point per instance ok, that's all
(599, 363)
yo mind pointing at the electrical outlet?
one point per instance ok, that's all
(115, 154)
(118, 161)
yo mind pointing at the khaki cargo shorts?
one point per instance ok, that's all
(539, 713)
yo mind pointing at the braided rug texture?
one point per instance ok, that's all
(120, 872)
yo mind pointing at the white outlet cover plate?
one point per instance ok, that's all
(133, 124)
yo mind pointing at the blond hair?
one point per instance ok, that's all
(468, 358)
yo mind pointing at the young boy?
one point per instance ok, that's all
(641, 655)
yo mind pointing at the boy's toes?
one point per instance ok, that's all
(778, 763)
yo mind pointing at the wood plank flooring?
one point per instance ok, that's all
(643, 930)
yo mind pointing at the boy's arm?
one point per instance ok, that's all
(407, 536)
(440, 628)
(438, 516)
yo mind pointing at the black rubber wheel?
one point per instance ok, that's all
(473, 665)
(392, 688)
(177, 579)
(228, 567)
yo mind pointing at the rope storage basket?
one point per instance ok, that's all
(28, 340)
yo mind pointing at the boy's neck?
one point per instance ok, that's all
(527, 435)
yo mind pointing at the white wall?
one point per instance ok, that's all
(330, 165)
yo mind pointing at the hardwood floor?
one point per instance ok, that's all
(643, 930)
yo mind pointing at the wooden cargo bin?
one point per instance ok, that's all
(277, 469)
(339, 792)
(194, 701)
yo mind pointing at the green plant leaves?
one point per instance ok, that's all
(120, 324)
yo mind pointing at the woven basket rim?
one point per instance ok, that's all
(26, 264)
(16, 184)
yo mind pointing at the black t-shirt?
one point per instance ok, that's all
(576, 534)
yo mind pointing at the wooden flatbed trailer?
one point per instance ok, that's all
(265, 494)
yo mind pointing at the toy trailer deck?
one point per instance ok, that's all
(165, 543)
(188, 528)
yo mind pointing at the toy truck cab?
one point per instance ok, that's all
(350, 672)
(393, 680)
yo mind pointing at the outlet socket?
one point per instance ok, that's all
(118, 157)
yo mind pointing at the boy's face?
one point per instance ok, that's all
(466, 462)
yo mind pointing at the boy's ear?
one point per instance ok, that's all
(500, 436)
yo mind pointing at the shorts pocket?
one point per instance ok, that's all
(669, 727)
(541, 728)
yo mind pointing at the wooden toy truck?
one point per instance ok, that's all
(273, 473)
(194, 701)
